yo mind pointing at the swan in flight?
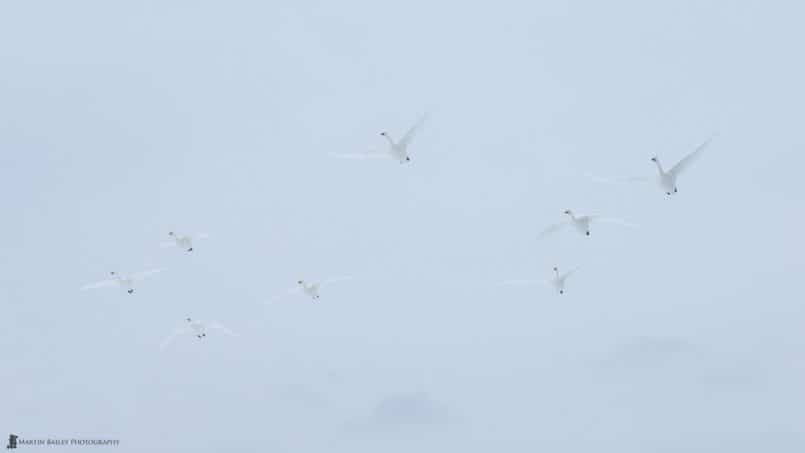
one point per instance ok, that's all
(582, 223)
(198, 328)
(184, 242)
(312, 289)
(557, 281)
(397, 150)
(123, 281)
(667, 179)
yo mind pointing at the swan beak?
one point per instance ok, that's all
(382, 133)
(654, 159)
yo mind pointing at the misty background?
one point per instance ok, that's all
(121, 121)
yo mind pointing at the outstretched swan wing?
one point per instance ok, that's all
(358, 156)
(618, 180)
(101, 284)
(570, 272)
(406, 140)
(617, 221)
(145, 274)
(176, 332)
(335, 280)
(284, 295)
(551, 229)
(218, 326)
(521, 282)
(690, 158)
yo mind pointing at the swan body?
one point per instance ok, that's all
(123, 281)
(667, 179)
(310, 289)
(307, 288)
(399, 149)
(183, 241)
(582, 223)
(198, 328)
(557, 281)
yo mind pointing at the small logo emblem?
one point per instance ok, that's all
(12, 441)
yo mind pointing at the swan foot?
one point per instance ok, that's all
(190, 249)
(561, 291)
(131, 291)
(675, 190)
(588, 233)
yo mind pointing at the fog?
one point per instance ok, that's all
(122, 121)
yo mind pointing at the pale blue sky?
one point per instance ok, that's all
(121, 121)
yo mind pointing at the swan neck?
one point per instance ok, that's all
(659, 166)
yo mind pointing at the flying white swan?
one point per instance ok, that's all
(582, 223)
(312, 289)
(399, 150)
(183, 241)
(557, 281)
(667, 179)
(123, 281)
(396, 150)
(198, 328)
